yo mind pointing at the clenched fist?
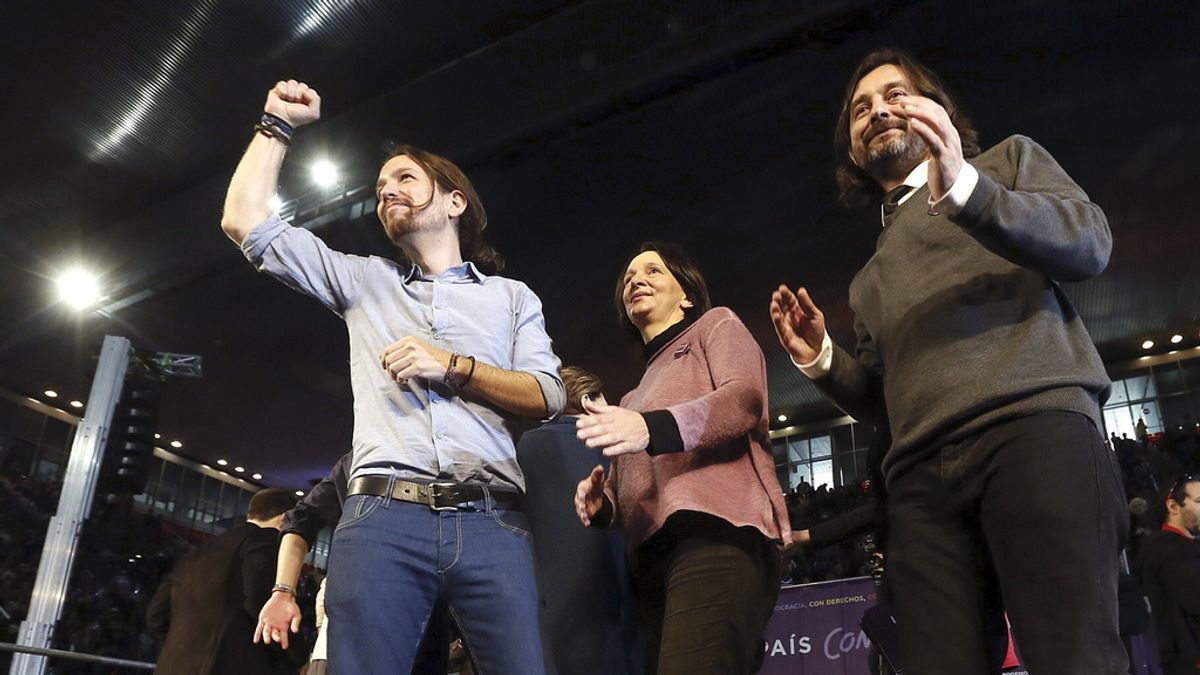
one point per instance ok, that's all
(294, 102)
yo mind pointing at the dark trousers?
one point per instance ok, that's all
(1026, 516)
(705, 590)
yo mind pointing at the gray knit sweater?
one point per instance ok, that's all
(961, 322)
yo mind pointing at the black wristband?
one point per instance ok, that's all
(664, 433)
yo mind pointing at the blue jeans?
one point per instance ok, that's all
(392, 560)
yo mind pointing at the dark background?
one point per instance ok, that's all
(587, 128)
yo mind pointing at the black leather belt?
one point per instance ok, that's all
(438, 495)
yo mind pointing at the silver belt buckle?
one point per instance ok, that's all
(433, 495)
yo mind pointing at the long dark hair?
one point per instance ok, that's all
(448, 177)
(855, 186)
(681, 266)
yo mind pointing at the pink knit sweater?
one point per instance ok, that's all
(713, 381)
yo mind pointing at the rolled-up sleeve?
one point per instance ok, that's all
(533, 354)
(303, 262)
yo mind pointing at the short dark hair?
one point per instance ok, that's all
(855, 186)
(1176, 492)
(682, 267)
(448, 177)
(579, 383)
(266, 504)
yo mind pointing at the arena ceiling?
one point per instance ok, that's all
(587, 127)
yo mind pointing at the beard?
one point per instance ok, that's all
(412, 219)
(906, 150)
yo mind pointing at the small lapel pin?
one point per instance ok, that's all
(683, 349)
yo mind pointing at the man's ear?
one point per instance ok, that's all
(458, 204)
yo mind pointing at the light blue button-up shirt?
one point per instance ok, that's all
(421, 429)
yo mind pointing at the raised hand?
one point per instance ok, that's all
(931, 122)
(409, 357)
(799, 325)
(294, 102)
(589, 496)
(279, 615)
(619, 431)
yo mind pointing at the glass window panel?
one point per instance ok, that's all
(1118, 421)
(797, 449)
(821, 446)
(822, 472)
(8, 409)
(779, 450)
(1191, 375)
(57, 434)
(863, 435)
(1147, 411)
(27, 424)
(1119, 394)
(1142, 386)
(1175, 413)
(1169, 379)
(843, 439)
(800, 473)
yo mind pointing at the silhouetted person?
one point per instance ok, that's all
(208, 606)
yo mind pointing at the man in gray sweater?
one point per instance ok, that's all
(999, 482)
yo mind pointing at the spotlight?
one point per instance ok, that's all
(275, 202)
(78, 288)
(299, 493)
(324, 173)
(239, 469)
(176, 444)
(158, 437)
(76, 404)
(782, 418)
(1176, 339)
(257, 476)
(50, 393)
(1147, 344)
(221, 462)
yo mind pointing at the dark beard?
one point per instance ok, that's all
(906, 151)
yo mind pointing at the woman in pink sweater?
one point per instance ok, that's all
(692, 483)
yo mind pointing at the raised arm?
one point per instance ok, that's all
(257, 176)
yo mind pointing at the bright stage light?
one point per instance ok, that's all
(275, 202)
(257, 476)
(324, 173)
(176, 444)
(1147, 344)
(78, 288)
(1176, 339)
(50, 393)
(76, 404)
(221, 462)
(782, 418)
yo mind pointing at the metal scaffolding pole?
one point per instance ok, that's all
(74, 505)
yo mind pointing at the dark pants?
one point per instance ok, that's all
(1028, 516)
(705, 590)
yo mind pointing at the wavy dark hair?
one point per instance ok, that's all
(448, 177)
(682, 267)
(855, 186)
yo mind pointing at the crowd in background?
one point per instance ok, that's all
(123, 553)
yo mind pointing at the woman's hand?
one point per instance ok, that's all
(589, 496)
(617, 430)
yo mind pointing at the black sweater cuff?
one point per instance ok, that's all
(664, 433)
(604, 516)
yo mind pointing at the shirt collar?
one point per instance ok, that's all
(466, 270)
(1176, 530)
(916, 178)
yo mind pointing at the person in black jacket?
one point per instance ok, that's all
(207, 607)
(321, 508)
(1169, 569)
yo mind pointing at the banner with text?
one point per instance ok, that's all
(815, 629)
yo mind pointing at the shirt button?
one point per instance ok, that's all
(441, 434)
(437, 335)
